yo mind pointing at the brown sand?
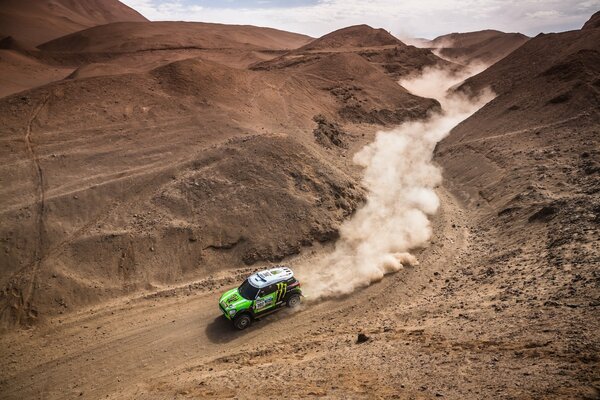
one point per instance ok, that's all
(131, 200)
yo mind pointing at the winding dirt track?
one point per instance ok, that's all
(139, 347)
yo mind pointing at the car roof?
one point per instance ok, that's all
(269, 276)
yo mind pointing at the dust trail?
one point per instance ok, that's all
(434, 83)
(401, 180)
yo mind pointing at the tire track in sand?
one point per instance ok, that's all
(41, 200)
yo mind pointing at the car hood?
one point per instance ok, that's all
(232, 298)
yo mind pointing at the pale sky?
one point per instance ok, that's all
(408, 18)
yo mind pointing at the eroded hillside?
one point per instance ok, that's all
(120, 182)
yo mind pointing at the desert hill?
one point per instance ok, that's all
(466, 39)
(138, 47)
(37, 21)
(193, 164)
(353, 36)
(18, 72)
(10, 43)
(593, 22)
(532, 58)
(144, 36)
(527, 166)
(485, 47)
(375, 45)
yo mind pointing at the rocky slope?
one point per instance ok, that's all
(129, 47)
(532, 59)
(140, 179)
(593, 22)
(375, 45)
(527, 166)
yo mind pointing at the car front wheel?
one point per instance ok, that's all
(241, 322)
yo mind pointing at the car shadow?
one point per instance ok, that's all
(221, 330)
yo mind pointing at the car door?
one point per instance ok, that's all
(266, 299)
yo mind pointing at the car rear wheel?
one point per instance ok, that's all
(293, 301)
(241, 322)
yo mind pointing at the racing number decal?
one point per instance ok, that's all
(262, 303)
(269, 300)
(281, 290)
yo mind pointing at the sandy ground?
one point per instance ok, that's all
(175, 342)
(433, 332)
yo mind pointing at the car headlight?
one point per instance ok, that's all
(232, 311)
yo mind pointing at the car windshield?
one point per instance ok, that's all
(248, 291)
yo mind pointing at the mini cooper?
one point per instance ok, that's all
(262, 293)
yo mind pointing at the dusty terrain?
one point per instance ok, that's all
(165, 169)
(114, 173)
(175, 344)
(128, 47)
(375, 45)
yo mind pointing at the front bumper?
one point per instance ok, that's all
(224, 311)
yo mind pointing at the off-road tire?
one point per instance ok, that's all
(242, 321)
(293, 301)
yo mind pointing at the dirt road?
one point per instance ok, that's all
(144, 346)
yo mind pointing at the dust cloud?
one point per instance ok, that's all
(401, 180)
(434, 83)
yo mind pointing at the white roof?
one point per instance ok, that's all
(270, 276)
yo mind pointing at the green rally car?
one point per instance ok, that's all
(260, 294)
